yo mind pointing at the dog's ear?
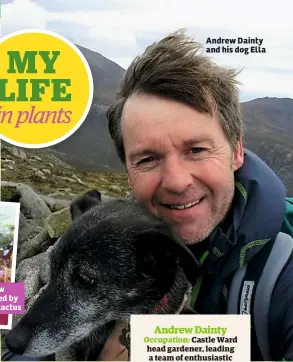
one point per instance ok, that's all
(159, 255)
(84, 203)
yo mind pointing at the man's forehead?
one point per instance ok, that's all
(140, 108)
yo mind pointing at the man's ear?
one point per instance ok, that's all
(84, 203)
(238, 156)
(159, 256)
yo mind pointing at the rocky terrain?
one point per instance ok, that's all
(48, 175)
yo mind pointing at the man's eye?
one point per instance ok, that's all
(146, 160)
(197, 149)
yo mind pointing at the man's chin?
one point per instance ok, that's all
(189, 236)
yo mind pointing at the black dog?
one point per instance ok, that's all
(115, 260)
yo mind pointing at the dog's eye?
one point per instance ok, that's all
(87, 279)
(83, 279)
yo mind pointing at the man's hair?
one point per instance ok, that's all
(174, 69)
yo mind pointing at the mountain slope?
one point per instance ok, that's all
(269, 133)
(91, 147)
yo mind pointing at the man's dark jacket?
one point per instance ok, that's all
(259, 212)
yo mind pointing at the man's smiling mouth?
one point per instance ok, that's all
(182, 206)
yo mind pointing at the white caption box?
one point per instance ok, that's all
(190, 338)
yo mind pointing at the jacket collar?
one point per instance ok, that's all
(257, 215)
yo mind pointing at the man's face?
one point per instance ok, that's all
(180, 164)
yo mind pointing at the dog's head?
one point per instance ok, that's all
(114, 260)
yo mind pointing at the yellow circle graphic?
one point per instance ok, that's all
(46, 88)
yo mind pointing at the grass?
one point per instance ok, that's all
(62, 176)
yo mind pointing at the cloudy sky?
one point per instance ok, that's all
(121, 29)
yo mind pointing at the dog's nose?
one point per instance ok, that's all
(16, 342)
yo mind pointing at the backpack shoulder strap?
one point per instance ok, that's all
(278, 258)
(252, 287)
(233, 299)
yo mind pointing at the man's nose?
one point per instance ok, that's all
(176, 176)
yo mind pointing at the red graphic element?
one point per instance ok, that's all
(4, 319)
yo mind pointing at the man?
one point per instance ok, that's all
(178, 129)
